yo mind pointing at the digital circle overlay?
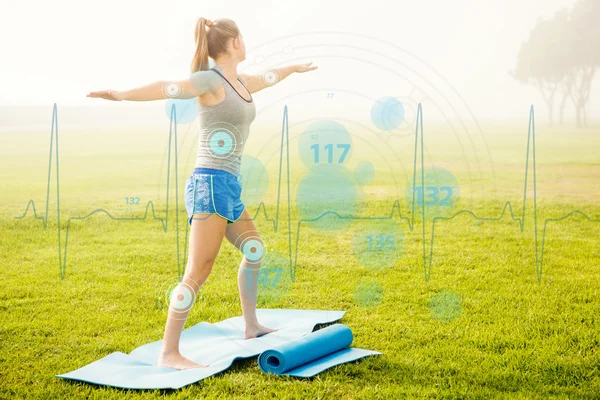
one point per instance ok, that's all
(270, 77)
(438, 193)
(255, 180)
(327, 198)
(445, 306)
(378, 243)
(273, 280)
(252, 247)
(364, 173)
(176, 299)
(186, 110)
(224, 141)
(387, 113)
(172, 89)
(368, 294)
(389, 104)
(325, 142)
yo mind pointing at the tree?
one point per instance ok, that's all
(544, 59)
(585, 20)
(566, 43)
(562, 54)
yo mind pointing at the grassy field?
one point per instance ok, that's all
(481, 326)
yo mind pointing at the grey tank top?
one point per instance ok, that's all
(224, 129)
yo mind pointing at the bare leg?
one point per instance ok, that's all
(238, 234)
(206, 237)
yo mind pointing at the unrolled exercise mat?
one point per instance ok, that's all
(312, 353)
(217, 345)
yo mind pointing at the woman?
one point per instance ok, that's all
(212, 194)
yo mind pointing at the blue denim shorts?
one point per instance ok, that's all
(213, 191)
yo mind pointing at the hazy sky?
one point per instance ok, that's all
(58, 51)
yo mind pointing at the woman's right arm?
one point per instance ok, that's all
(199, 83)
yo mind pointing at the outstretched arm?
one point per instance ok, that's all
(272, 76)
(199, 83)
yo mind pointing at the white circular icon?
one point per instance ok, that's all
(173, 89)
(270, 77)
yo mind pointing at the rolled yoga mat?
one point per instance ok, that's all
(312, 353)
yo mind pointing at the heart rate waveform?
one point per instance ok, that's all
(427, 257)
(294, 250)
(62, 259)
(62, 253)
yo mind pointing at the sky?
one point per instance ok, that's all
(59, 51)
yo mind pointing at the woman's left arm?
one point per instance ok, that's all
(272, 76)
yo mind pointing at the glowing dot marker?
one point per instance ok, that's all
(221, 142)
(178, 299)
(173, 89)
(253, 249)
(270, 77)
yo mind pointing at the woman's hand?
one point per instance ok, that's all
(305, 67)
(108, 95)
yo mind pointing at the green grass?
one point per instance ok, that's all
(482, 326)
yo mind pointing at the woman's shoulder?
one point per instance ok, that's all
(206, 81)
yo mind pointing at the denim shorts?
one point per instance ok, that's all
(213, 191)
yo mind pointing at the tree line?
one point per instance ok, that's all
(560, 58)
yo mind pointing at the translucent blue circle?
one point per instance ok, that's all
(186, 110)
(325, 142)
(445, 306)
(440, 195)
(221, 143)
(368, 294)
(364, 172)
(255, 180)
(387, 113)
(327, 198)
(378, 243)
(273, 281)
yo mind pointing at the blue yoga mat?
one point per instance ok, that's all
(312, 353)
(217, 345)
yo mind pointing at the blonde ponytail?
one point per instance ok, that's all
(211, 42)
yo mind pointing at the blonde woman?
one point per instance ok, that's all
(213, 190)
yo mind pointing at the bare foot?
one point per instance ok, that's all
(177, 361)
(257, 330)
